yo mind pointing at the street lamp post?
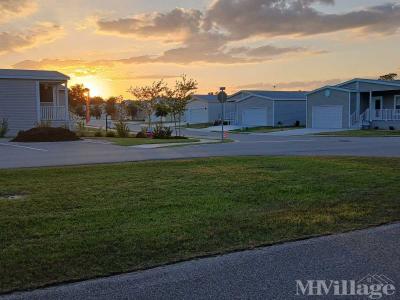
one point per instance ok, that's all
(222, 97)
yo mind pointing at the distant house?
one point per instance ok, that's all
(203, 109)
(355, 103)
(267, 108)
(30, 97)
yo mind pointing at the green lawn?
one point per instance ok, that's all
(144, 141)
(264, 129)
(80, 222)
(363, 133)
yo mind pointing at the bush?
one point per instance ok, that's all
(297, 124)
(3, 128)
(98, 132)
(46, 134)
(219, 123)
(141, 135)
(162, 132)
(81, 128)
(391, 128)
(376, 128)
(110, 133)
(122, 129)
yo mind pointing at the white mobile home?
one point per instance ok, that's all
(28, 98)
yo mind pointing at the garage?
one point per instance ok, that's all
(255, 117)
(197, 115)
(327, 116)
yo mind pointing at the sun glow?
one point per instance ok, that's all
(97, 86)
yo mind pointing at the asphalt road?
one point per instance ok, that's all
(18, 155)
(265, 273)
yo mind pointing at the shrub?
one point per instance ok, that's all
(98, 132)
(376, 127)
(219, 123)
(280, 124)
(3, 128)
(46, 134)
(391, 128)
(43, 124)
(162, 132)
(110, 133)
(142, 134)
(297, 124)
(122, 129)
(80, 128)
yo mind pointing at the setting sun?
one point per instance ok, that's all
(95, 86)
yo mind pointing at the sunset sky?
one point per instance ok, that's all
(241, 44)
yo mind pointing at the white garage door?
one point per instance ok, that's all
(197, 115)
(255, 117)
(327, 116)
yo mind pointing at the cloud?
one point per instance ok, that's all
(242, 19)
(11, 9)
(41, 33)
(176, 25)
(206, 36)
(294, 85)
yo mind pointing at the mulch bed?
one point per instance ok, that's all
(46, 134)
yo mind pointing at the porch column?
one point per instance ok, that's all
(370, 107)
(358, 109)
(67, 105)
(38, 109)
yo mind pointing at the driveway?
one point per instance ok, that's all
(19, 155)
(298, 132)
(265, 273)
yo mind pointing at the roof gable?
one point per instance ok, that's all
(395, 83)
(270, 95)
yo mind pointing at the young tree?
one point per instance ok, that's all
(147, 97)
(390, 76)
(111, 106)
(184, 90)
(77, 95)
(132, 109)
(96, 111)
(161, 111)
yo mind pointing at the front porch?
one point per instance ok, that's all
(371, 107)
(53, 102)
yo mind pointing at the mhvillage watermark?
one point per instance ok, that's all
(371, 286)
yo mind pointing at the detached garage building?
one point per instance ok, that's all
(203, 109)
(267, 108)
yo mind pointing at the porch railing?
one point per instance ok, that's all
(52, 113)
(386, 115)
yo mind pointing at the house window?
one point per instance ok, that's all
(397, 102)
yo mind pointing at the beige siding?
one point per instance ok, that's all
(18, 104)
(336, 98)
(256, 102)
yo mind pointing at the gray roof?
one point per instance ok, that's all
(374, 81)
(32, 74)
(208, 98)
(276, 95)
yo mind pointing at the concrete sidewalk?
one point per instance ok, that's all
(265, 273)
(155, 146)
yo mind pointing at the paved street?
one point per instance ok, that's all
(15, 155)
(265, 273)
